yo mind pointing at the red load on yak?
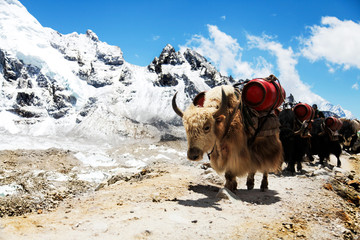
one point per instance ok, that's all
(263, 94)
(333, 123)
(304, 112)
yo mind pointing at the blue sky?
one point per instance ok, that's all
(310, 45)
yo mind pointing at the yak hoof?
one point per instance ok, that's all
(250, 185)
(290, 169)
(264, 185)
(231, 185)
(263, 188)
(299, 167)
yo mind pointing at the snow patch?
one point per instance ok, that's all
(10, 189)
(95, 159)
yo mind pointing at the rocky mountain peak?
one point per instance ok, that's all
(196, 60)
(90, 34)
(207, 71)
(168, 49)
(90, 56)
(168, 56)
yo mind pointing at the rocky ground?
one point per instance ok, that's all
(173, 198)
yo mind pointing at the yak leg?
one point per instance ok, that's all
(298, 164)
(337, 151)
(322, 158)
(250, 181)
(338, 162)
(231, 183)
(264, 182)
(291, 166)
(337, 154)
(310, 157)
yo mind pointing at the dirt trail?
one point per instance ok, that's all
(170, 200)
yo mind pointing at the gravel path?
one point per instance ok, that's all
(174, 200)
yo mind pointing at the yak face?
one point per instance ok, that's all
(348, 133)
(349, 141)
(200, 125)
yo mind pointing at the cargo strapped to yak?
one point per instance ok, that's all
(261, 123)
(333, 134)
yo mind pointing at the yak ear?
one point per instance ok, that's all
(199, 99)
(220, 118)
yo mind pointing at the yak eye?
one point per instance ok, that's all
(207, 128)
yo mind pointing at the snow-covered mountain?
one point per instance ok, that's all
(337, 110)
(75, 84)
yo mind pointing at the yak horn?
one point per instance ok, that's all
(302, 128)
(175, 107)
(222, 108)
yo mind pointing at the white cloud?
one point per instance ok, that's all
(336, 41)
(156, 38)
(355, 86)
(225, 53)
(286, 61)
(331, 68)
(223, 18)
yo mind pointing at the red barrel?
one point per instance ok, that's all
(263, 95)
(333, 123)
(304, 111)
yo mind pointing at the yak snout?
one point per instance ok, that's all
(194, 154)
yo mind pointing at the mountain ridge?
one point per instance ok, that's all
(55, 83)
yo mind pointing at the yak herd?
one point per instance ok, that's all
(248, 129)
(315, 136)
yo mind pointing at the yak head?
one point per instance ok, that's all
(348, 132)
(202, 124)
